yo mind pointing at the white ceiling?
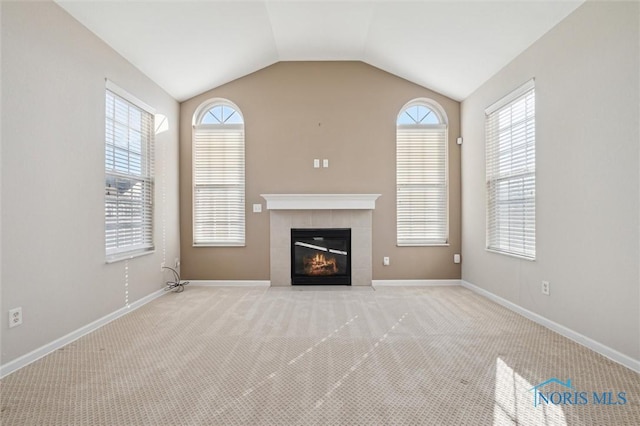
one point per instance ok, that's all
(189, 47)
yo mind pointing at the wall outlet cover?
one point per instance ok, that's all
(545, 288)
(15, 317)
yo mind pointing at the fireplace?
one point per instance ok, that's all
(321, 256)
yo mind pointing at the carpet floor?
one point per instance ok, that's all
(326, 356)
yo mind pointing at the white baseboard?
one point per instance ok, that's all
(229, 283)
(36, 354)
(595, 346)
(414, 283)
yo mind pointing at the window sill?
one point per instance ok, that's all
(221, 245)
(118, 257)
(424, 245)
(517, 256)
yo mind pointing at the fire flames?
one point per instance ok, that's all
(320, 265)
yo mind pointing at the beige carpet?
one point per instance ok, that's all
(280, 356)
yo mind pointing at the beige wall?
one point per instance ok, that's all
(53, 257)
(295, 112)
(587, 193)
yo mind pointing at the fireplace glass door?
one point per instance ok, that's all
(321, 256)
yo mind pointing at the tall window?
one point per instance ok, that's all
(421, 175)
(511, 173)
(128, 174)
(218, 175)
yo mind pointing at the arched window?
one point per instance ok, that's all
(218, 175)
(421, 174)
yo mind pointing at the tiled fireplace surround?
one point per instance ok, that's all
(289, 211)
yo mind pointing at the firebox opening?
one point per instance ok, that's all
(321, 256)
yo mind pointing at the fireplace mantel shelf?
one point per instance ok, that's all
(320, 201)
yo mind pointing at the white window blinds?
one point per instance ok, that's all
(128, 174)
(510, 174)
(219, 179)
(421, 178)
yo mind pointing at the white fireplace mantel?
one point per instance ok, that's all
(320, 201)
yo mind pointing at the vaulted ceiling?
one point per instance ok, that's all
(189, 47)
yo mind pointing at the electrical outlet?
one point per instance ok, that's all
(545, 288)
(162, 265)
(15, 317)
(385, 261)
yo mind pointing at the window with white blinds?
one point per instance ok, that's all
(218, 176)
(128, 174)
(421, 175)
(511, 173)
